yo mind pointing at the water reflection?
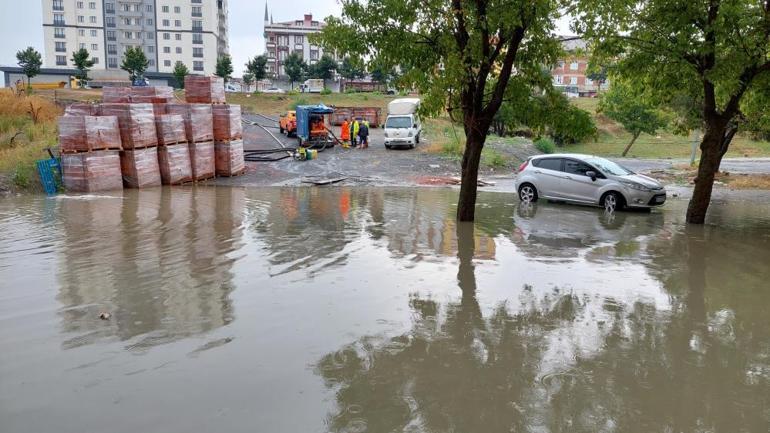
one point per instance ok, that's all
(157, 260)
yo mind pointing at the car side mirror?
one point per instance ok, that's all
(592, 175)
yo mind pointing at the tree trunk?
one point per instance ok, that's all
(628, 147)
(474, 143)
(711, 156)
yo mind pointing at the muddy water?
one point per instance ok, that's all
(314, 310)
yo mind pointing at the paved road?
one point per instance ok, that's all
(732, 165)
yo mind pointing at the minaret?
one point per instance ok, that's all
(267, 16)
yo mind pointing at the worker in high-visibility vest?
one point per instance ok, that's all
(354, 135)
(345, 133)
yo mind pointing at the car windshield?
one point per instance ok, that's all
(609, 167)
(398, 122)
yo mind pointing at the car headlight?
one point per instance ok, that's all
(636, 186)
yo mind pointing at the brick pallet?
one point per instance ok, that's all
(87, 133)
(140, 167)
(136, 122)
(227, 122)
(171, 129)
(92, 171)
(229, 158)
(175, 165)
(202, 159)
(198, 120)
(204, 90)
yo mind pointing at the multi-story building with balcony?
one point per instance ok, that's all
(191, 31)
(571, 72)
(284, 38)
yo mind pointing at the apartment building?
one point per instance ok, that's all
(284, 38)
(191, 31)
(570, 72)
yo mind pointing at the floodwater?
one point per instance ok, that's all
(371, 310)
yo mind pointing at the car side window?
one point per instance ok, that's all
(549, 163)
(576, 167)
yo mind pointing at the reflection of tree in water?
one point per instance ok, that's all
(157, 260)
(688, 369)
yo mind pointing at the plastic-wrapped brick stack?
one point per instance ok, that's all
(139, 158)
(228, 137)
(152, 94)
(140, 167)
(119, 95)
(199, 130)
(204, 90)
(86, 164)
(87, 133)
(173, 150)
(91, 171)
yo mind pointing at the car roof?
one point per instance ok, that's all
(564, 155)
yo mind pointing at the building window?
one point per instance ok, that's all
(166, 23)
(299, 22)
(179, 50)
(150, 35)
(166, 36)
(177, 9)
(149, 21)
(111, 35)
(61, 47)
(197, 25)
(58, 20)
(197, 11)
(109, 8)
(92, 5)
(93, 33)
(559, 79)
(177, 23)
(58, 32)
(167, 63)
(96, 60)
(112, 62)
(178, 36)
(152, 62)
(81, 19)
(573, 80)
(92, 19)
(197, 52)
(128, 35)
(137, 8)
(110, 21)
(197, 1)
(112, 49)
(197, 65)
(94, 47)
(589, 82)
(165, 9)
(573, 66)
(299, 39)
(313, 54)
(81, 32)
(151, 49)
(79, 5)
(149, 8)
(61, 60)
(167, 50)
(126, 7)
(82, 46)
(197, 38)
(57, 5)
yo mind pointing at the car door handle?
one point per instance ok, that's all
(538, 172)
(568, 177)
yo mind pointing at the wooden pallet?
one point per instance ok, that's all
(240, 172)
(141, 147)
(230, 140)
(185, 181)
(205, 179)
(174, 143)
(75, 151)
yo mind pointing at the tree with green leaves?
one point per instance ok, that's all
(180, 72)
(381, 73)
(717, 52)
(30, 61)
(224, 67)
(458, 51)
(135, 63)
(637, 116)
(295, 67)
(83, 63)
(324, 68)
(350, 69)
(248, 79)
(257, 67)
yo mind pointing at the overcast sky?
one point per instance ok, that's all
(21, 24)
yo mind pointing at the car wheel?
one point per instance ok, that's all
(281, 130)
(528, 193)
(412, 146)
(612, 202)
(387, 146)
(417, 139)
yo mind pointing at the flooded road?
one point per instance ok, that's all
(371, 310)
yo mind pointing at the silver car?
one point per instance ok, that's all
(586, 179)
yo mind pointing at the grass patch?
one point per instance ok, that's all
(493, 158)
(751, 181)
(545, 145)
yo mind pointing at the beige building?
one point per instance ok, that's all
(191, 31)
(284, 38)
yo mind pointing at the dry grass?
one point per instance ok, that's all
(751, 181)
(22, 140)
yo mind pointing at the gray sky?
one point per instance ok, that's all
(21, 24)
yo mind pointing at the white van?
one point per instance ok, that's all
(403, 126)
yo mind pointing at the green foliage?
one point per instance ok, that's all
(381, 73)
(493, 158)
(324, 68)
(572, 125)
(83, 63)
(628, 108)
(326, 91)
(22, 176)
(351, 68)
(180, 72)
(257, 67)
(545, 145)
(297, 102)
(135, 63)
(30, 61)
(224, 67)
(295, 67)
(248, 80)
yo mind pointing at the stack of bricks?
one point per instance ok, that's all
(173, 150)
(204, 90)
(89, 145)
(199, 131)
(139, 157)
(228, 139)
